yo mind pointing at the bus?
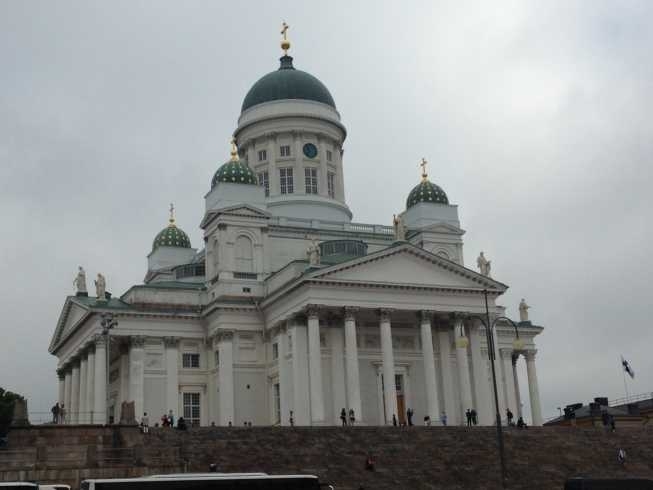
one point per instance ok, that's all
(209, 481)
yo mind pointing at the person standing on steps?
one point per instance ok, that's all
(394, 420)
(352, 417)
(468, 415)
(474, 416)
(443, 418)
(145, 423)
(409, 416)
(291, 419)
(343, 417)
(171, 418)
(509, 416)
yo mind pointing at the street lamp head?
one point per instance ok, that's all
(518, 344)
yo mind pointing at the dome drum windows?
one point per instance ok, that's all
(262, 155)
(284, 151)
(331, 184)
(286, 183)
(310, 180)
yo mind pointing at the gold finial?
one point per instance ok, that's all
(285, 44)
(423, 165)
(234, 150)
(172, 215)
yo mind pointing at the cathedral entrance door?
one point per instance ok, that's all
(401, 398)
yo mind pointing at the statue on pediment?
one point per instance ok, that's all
(80, 282)
(399, 228)
(313, 253)
(484, 265)
(523, 311)
(101, 287)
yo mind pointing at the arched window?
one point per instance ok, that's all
(443, 254)
(244, 254)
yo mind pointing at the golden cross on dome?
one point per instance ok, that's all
(234, 150)
(172, 214)
(423, 165)
(285, 44)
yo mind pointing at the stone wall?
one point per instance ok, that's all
(416, 457)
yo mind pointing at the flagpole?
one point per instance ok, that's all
(623, 371)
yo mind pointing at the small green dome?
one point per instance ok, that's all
(287, 83)
(426, 191)
(234, 172)
(171, 236)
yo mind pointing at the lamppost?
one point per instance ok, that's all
(518, 344)
(108, 322)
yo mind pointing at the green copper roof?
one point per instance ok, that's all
(234, 172)
(171, 236)
(426, 191)
(287, 83)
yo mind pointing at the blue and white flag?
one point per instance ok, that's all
(627, 367)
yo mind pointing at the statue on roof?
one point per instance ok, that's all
(101, 287)
(523, 311)
(313, 253)
(484, 265)
(399, 228)
(80, 282)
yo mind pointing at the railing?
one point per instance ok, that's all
(39, 418)
(630, 399)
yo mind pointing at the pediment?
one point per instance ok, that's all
(71, 314)
(443, 227)
(237, 210)
(407, 265)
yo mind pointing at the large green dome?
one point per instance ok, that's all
(234, 172)
(287, 83)
(171, 236)
(426, 191)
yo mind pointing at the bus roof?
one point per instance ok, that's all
(204, 475)
(18, 484)
(208, 476)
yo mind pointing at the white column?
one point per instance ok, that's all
(482, 392)
(430, 380)
(68, 385)
(315, 367)
(226, 378)
(351, 365)
(83, 370)
(389, 388)
(100, 401)
(61, 376)
(172, 374)
(501, 392)
(212, 384)
(322, 182)
(90, 385)
(462, 342)
(273, 172)
(515, 357)
(298, 157)
(301, 398)
(123, 348)
(284, 378)
(447, 376)
(74, 393)
(533, 389)
(338, 385)
(508, 380)
(136, 373)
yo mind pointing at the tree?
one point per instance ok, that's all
(7, 400)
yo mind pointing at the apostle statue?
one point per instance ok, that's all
(313, 253)
(399, 228)
(523, 311)
(101, 287)
(484, 265)
(80, 282)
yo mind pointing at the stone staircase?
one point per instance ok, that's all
(412, 458)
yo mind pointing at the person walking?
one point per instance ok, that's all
(468, 415)
(145, 423)
(55, 413)
(352, 417)
(343, 417)
(474, 416)
(409, 416)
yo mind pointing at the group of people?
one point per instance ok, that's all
(472, 417)
(510, 417)
(58, 413)
(343, 417)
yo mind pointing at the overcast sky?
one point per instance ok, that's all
(535, 118)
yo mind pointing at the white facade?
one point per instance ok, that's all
(248, 330)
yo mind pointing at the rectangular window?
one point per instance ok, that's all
(331, 184)
(264, 181)
(190, 360)
(284, 150)
(286, 181)
(310, 178)
(262, 155)
(192, 409)
(275, 351)
(329, 156)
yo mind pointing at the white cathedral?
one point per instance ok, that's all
(290, 310)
